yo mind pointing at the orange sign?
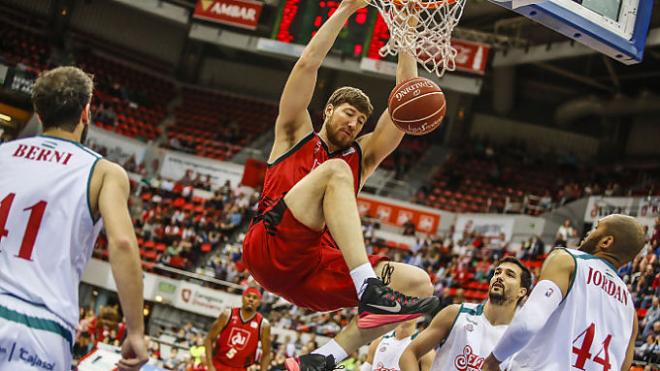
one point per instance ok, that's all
(394, 214)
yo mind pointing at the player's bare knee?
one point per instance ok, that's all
(421, 283)
(339, 171)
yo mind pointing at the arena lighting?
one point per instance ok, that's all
(158, 298)
(5, 117)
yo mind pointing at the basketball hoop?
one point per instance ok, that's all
(423, 28)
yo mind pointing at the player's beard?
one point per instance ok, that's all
(83, 136)
(333, 136)
(589, 243)
(496, 298)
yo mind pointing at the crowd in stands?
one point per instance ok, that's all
(485, 177)
(178, 229)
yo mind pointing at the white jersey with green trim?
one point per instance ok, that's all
(470, 341)
(590, 329)
(47, 230)
(389, 352)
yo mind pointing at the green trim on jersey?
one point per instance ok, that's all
(572, 280)
(89, 184)
(37, 323)
(473, 312)
(77, 144)
(389, 336)
(592, 257)
(460, 310)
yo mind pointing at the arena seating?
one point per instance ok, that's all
(138, 99)
(218, 125)
(471, 181)
(23, 47)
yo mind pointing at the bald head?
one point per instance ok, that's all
(619, 235)
(628, 235)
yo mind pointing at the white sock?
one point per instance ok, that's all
(361, 274)
(332, 348)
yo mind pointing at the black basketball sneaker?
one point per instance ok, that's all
(310, 362)
(381, 305)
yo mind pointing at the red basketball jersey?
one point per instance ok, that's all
(236, 346)
(299, 161)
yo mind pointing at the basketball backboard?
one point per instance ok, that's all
(617, 28)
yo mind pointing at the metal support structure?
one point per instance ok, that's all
(574, 76)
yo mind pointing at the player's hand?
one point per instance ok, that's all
(491, 364)
(133, 353)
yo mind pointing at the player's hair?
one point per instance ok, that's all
(525, 277)
(628, 235)
(353, 96)
(60, 96)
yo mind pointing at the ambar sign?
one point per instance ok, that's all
(239, 13)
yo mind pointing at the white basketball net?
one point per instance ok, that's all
(423, 28)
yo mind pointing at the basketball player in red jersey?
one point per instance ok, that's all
(306, 243)
(240, 331)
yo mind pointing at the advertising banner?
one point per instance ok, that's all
(175, 165)
(239, 13)
(599, 207)
(397, 213)
(202, 300)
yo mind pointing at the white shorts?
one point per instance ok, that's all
(32, 338)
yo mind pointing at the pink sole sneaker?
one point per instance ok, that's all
(291, 364)
(368, 320)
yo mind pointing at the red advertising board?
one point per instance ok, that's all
(239, 13)
(395, 214)
(470, 56)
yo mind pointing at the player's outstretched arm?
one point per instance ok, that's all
(293, 121)
(428, 339)
(386, 136)
(265, 345)
(554, 283)
(212, 335)
(630, 353)
(124, 259)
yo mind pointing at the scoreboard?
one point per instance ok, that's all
(362, 36)
(299, 20)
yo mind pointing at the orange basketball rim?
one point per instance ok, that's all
(424, 4)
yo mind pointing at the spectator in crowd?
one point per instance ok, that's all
(649, 351)
(565, 233)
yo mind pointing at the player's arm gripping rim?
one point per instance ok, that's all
(558, 269)
(386, 136)
(428, 339)
(209, 341)
(113, 188)
(293, 121)
(265, 345)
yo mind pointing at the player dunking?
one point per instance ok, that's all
(306, 244)
(580, 316)
(231, 344)
(55, 196)
(466, 333)
(385, 352)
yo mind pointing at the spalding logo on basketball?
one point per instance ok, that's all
(417, 106)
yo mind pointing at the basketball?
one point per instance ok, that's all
(417, 106)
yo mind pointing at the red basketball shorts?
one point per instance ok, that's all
(299, 264)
